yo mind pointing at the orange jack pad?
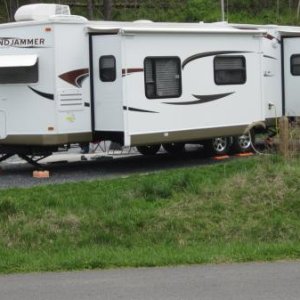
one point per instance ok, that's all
(41, 174)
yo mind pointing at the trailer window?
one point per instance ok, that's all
(230, 70)
(162, 77)
(295, 64)
(107, 68)
(19, 74)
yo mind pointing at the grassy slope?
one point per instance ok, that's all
(237, 211)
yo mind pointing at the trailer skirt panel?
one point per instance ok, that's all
(186, 135)
(47, 139)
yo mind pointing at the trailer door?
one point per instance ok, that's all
(291, 64)
(106, 83)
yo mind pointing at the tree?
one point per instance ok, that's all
(90, 7)
(222, 10)
(107, 9)
(11, 7)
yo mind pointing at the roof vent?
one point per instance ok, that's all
(39, 12)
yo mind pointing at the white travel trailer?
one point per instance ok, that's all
(66, 80)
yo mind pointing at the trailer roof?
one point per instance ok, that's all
(290, 31)
(284, 30)
(144, 26)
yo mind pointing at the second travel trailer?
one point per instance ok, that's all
(280, 82)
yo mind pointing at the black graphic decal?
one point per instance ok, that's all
(206, 54)
(138, 110)
(201, 99)
(130, 71)
(271, 57)
(45, 95)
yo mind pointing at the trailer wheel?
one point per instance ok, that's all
(148, 149)
(217, 146)
(174, 148)
(243, 143)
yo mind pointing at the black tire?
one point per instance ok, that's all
(174, 148)
(243, 143)
(148, 149)
(217, 146)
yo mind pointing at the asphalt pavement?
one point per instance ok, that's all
(252, 281)
(73, 166)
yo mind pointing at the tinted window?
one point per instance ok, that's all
(162, 77)
(107, 68)
(24, 74)
(295, 64)
(230, 70)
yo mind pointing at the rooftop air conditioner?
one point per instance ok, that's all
(39, 12)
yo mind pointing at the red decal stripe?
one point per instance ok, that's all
(73, 77)
(131, 70)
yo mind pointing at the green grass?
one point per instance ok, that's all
(241, 210)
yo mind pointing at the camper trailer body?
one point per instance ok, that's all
(137, 83)
(37, 107)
